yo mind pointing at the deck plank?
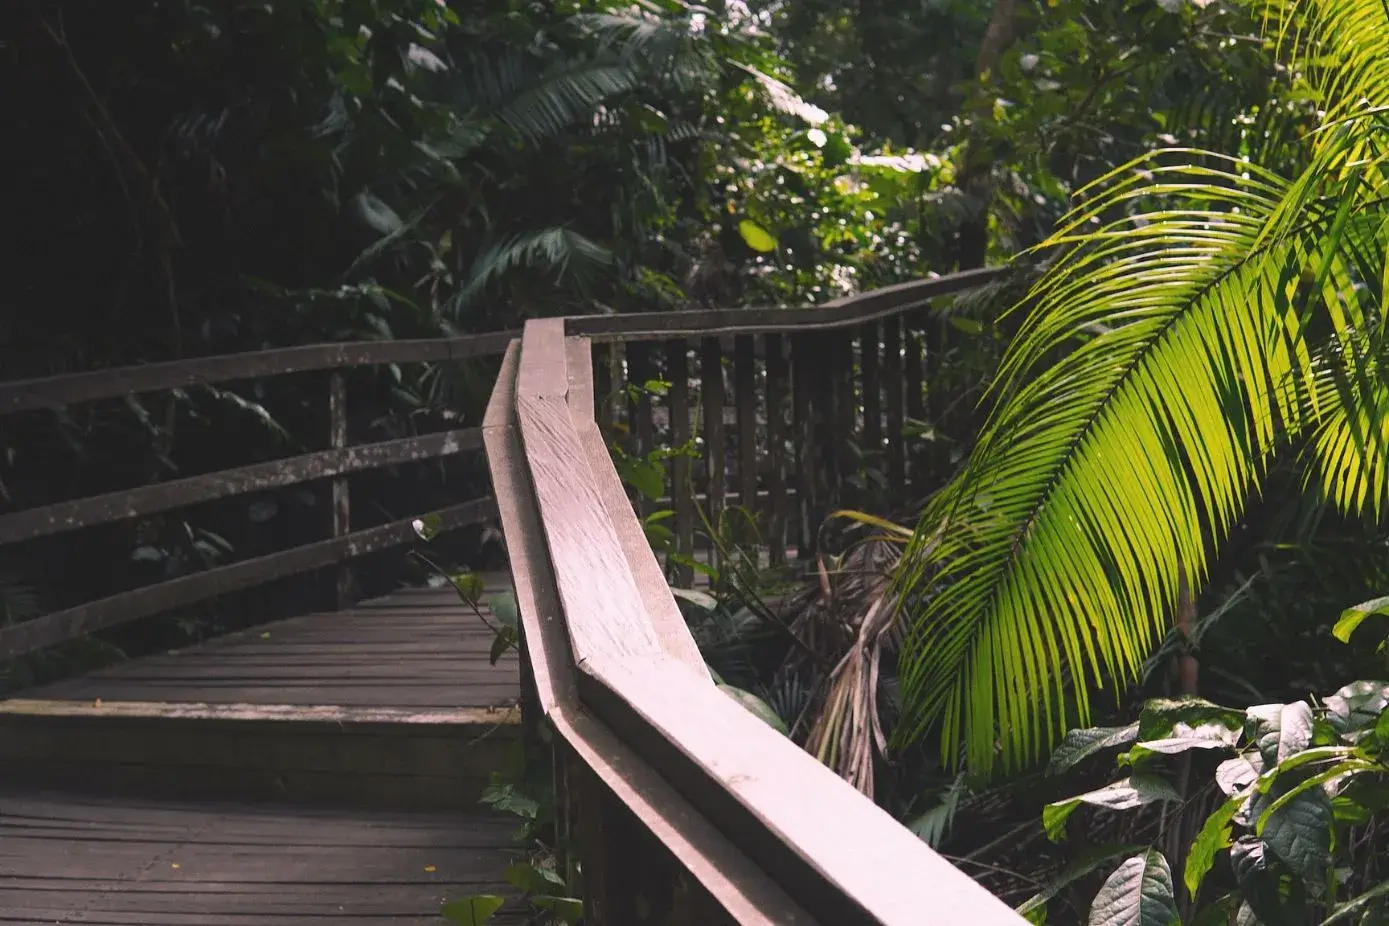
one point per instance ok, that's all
(77, 859)
(418, 648)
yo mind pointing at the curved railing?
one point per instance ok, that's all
(681, 792)
(682, 800)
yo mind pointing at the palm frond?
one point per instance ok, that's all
(1350, 447)
(668, 47)
(1187, 286)
(565, 95)
(561, 252)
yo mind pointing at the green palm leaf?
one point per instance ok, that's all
(1193, 295)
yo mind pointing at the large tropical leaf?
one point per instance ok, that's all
(1192, 296)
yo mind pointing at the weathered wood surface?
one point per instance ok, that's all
(849, 861)
(392, 704)
(72, 859)
(58, 391)
(419, 648)
(114, 506)
(742, 890)
(841, 313)
(155, 599)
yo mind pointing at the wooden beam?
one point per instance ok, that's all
(155, 599)
(114, 506)
(58, 391)
(841, 313)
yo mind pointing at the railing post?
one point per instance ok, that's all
(343, 596)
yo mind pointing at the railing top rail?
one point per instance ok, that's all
(840, 313)
(72, 388)
(826, 847)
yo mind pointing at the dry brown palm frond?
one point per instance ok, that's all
(848, 616)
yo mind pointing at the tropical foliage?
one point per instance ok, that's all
(1298, 793)
(1203, 314)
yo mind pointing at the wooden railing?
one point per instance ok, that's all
(686, 807)
(683, 801)
(334, 463)
(783, 413)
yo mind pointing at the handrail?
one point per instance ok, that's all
(846, 312)
(92, 385)
(70, 388)
(824, 846)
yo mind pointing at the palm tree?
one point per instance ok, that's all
(1211, 313)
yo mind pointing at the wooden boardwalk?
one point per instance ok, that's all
(314, 770)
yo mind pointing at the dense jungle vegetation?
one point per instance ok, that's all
(1178, 486)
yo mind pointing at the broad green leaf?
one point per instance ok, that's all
(505, 798)
(1134, 791)
(1291, 793)
(1082, 866)
(468, 585)
(646, 476)
(1213, 838)
(1280, 730)
(756, 237)
(757, 706)
(566, 909)
(1352, 617)
(1357, 706)
(1299, 833)
(1160, 717)
(533, 879)
(472, 911)
(1138, 893)
(504, 609)
(501, 643)
(1238, 773)
(967, 325)
(1183, 738)
(1081, 744)
(1258, 882)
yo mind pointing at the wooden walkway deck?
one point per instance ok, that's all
(314, 770)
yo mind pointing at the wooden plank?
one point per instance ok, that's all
(361, 764)
(777, 432)
(870, 353)
(682, 488)
(340, 503)
(128, 606)
(712, 860)
(895, 447)
(715, 447)
(641, 371)
(100, 509)
(914, 372)
(658, 606)
(745, 399)
(603, 384)
(545, 656)
(266, 865)
(582, 542)
(58, 391)
(803, 352)
(391, 653)
(840, 313)
(839, 422)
